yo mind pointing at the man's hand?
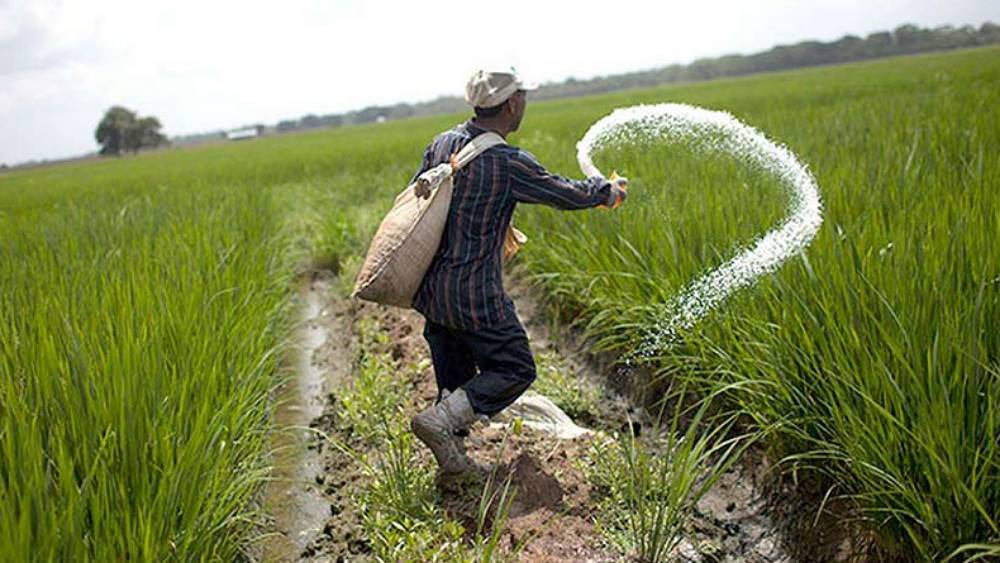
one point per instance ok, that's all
(618, 191)
(422, 188)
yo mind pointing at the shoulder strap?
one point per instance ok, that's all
(474, 148)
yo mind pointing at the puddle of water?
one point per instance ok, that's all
(294, 499)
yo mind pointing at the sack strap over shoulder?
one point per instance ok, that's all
(431, 179)
(474, 148)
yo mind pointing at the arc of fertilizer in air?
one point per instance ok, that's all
(715, 132)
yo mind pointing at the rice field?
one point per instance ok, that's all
(145, 303)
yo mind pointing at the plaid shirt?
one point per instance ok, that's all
(463, 288)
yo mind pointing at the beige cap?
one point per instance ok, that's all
(489, 89)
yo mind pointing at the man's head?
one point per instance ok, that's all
(498, 98)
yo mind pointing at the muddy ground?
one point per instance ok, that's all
(553, 511)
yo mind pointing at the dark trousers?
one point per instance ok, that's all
(493, 365)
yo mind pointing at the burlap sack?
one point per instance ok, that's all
(409, 235)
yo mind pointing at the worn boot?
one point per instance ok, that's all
(459, 434)
(436, 427)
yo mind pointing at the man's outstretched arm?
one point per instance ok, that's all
(532, 183)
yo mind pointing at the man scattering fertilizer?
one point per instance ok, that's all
(482, 361)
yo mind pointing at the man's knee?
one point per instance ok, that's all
(452, 359)
(522, 361)
(526, 374)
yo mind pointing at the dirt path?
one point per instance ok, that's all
(553, 511)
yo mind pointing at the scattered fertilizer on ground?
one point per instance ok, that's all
(714, 133)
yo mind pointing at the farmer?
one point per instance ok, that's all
(482, 361)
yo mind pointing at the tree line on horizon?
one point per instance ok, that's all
(904, 40)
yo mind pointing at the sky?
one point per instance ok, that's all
(204, 65)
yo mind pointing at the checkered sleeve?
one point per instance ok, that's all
(532, 183)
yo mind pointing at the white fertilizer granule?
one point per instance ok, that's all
(714, 132)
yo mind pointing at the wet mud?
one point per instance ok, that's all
(294, 499)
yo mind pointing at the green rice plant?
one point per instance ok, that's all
(976, 552)
(492, 516)
(400, 517)
(650, 491)
(138, 344)
(373, 401)
(398, 502)
(144, 310)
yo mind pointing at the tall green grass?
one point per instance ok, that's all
(144, 310)
(138, 347)
(877, 350)
(647, 491)
(144, 301)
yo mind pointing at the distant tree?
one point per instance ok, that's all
(989, 33)
(148, 131)
(309, 121)
(332, 120)
(367, 115)
(848, 48)
(121, 130)
(113, 130)
(910, 36)
(399, 111)
(878, 43)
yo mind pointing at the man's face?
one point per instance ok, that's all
(518, 102)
